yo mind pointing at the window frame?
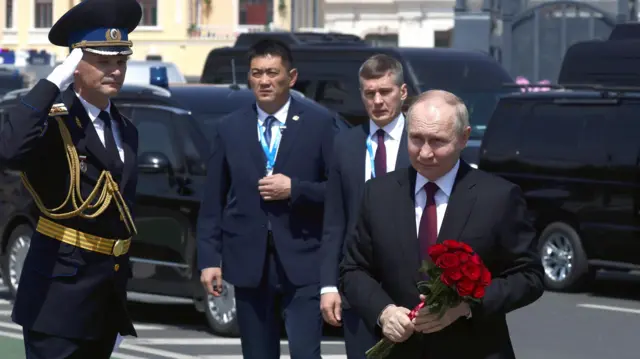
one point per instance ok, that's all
(37, 16)
(181, 166)
(153, 5)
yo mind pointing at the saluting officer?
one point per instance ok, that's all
(78, 159)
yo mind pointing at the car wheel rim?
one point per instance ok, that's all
(223, 307)
(557, 257)
(17, 255)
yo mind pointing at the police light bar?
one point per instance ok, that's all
(159, 76)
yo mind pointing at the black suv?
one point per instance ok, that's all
(173, 148)
(575, 152)
(328, 67)
(576, 156)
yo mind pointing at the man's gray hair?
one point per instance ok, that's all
(461, 112)
(379, 65)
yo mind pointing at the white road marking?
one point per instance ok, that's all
(148, 327)
(5, 312)
(11, 326)
(202, 341)
(116, 355)
(610, 308)
(4, 301)
(282, 356)
(153, 351)
(11, 335)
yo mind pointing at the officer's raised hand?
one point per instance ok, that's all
(62, 75)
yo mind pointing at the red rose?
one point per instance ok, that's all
(463, 257)
(452, 244)
(436, 250)
(478, 292)
(471, 271)
(465, 247)
(450, 276)
(448, 260)
(465, 287)
(485, 277)
(476, 259)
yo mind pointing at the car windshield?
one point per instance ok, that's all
(206, 121)
(480, 105)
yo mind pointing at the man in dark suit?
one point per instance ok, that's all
(71, 300)
(440, 197)
(373, 148)
(260, 220)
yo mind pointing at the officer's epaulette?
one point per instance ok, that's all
(58, 109)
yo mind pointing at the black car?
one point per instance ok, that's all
(173, 124)
(328, 66)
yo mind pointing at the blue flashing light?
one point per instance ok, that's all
(159, 76)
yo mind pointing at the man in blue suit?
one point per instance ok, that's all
(361, 153)
(260, 221)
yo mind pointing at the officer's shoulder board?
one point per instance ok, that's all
(58, 109)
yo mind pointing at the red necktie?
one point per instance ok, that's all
(381, 155)
(428, 232)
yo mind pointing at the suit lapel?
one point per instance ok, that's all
(127, 133)
(295, 119)
(405, 212)
(360, 157)
(249, 135)
(88, 139)
(402, 161)
(460, 204)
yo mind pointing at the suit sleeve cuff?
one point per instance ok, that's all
(379, 315)
(324, 290)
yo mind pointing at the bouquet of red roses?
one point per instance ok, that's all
(455, 274)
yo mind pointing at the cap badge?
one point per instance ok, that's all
(113, 35)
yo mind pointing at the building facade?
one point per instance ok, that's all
(180, 31)
(406, 23)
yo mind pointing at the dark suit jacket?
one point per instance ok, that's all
(232, 223)
(344, 193)
(382, 260)
(65, 290)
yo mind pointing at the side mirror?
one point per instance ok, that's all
(153, 162)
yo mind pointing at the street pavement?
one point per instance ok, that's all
(602, 323)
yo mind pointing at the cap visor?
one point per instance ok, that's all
(109, 50)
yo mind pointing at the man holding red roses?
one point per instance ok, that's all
(465, 219)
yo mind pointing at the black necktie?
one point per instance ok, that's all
(110, 142)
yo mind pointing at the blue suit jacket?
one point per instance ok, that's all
(232, 223)
(344, 193)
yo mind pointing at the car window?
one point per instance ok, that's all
(564, 134)
(155, 133)
(193, 145)
(500, 138)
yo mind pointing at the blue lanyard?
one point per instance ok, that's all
(269, 153)
(371, 157)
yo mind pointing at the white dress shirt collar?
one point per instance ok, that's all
(280, 115)
(445, 183)
(393, 129)
(92, 110)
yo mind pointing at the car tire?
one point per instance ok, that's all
(221, 312)
(15, 254)
(564, 261)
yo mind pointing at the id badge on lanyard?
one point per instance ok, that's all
(269, 153)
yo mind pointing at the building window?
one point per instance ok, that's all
(43, 14)
(255, 12)
(442, 38)
(149, 12)
(8, 21)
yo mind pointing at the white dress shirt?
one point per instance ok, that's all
(445, 186)
(393, 135)
(98, 124)
(277, 126)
